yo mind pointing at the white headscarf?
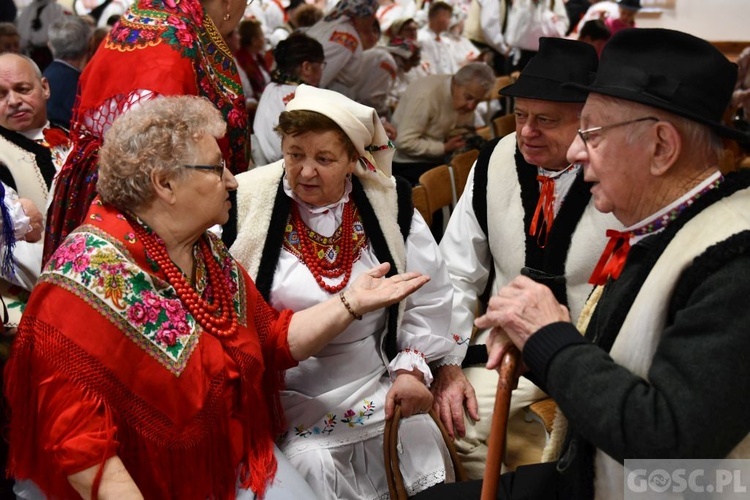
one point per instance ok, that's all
(359, 122)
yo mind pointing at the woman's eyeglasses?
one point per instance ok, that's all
(217, 169)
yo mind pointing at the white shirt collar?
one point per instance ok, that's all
(35, 134)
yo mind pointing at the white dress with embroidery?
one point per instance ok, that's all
(334, 401)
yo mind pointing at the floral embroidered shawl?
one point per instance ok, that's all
(102, 294)
(159, 47)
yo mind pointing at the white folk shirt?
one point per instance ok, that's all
(435, 50)
(379, 71)
(343, 52)
(267, 143)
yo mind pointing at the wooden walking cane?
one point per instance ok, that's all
(496, 445)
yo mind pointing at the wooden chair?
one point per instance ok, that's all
(461, 165)
(504, 125)
(419, 198)
(441, 196)
(438, 185)
(494, 93)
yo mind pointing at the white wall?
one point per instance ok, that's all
(713, 20)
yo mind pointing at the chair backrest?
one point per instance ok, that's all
(504, 125)
(461, 165)
(419, 198)
(500, 82)
(438, 185)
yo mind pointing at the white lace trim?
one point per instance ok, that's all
(409, 359)
(448, 360)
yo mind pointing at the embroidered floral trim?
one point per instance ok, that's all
(373, 148)
(99, 270)
(460, 340)
(413, 351)
(184, 26)
(351, 418)
(345, 39)
(327, 248)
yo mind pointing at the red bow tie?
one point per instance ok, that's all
(54, 137)
(545, 207)
(613, 258)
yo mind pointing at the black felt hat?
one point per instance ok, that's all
(630, 4)
(558, 61)
(669, 70)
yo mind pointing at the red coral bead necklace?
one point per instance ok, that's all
(223, 324)
(316, 261)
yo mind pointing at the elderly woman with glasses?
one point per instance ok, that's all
(309, 226)
(147, 362)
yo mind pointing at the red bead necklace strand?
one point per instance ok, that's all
(320, 267)
(222, 325)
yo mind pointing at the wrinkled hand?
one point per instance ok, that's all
(498, 344)
(35, 220)
(453, 391)
(390, 130)
(521, 308)
(370, 291)
(409, 391)
(453, 143)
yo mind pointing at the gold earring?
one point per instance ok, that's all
(226, 16)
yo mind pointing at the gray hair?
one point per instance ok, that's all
(477, 73)
(69, 37)
(156, 136)
(697, 138)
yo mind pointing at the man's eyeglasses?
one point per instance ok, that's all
(323, 64)
(585, 135)
(217, 169)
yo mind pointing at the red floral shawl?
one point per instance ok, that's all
(166, 47)
(103, 319)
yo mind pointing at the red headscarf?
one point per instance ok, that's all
(159, 47)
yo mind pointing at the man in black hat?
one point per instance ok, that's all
(662, 370)
(525, 206)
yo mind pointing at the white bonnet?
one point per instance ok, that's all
(359, 122)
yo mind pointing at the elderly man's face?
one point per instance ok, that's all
(466, 97)
(613, 159)
(23, 95)
(544, 130)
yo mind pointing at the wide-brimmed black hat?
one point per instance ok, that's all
(558, 61)
(669, 70)
(630, 4)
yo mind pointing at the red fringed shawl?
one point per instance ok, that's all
(159, 47)
(105, 338)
